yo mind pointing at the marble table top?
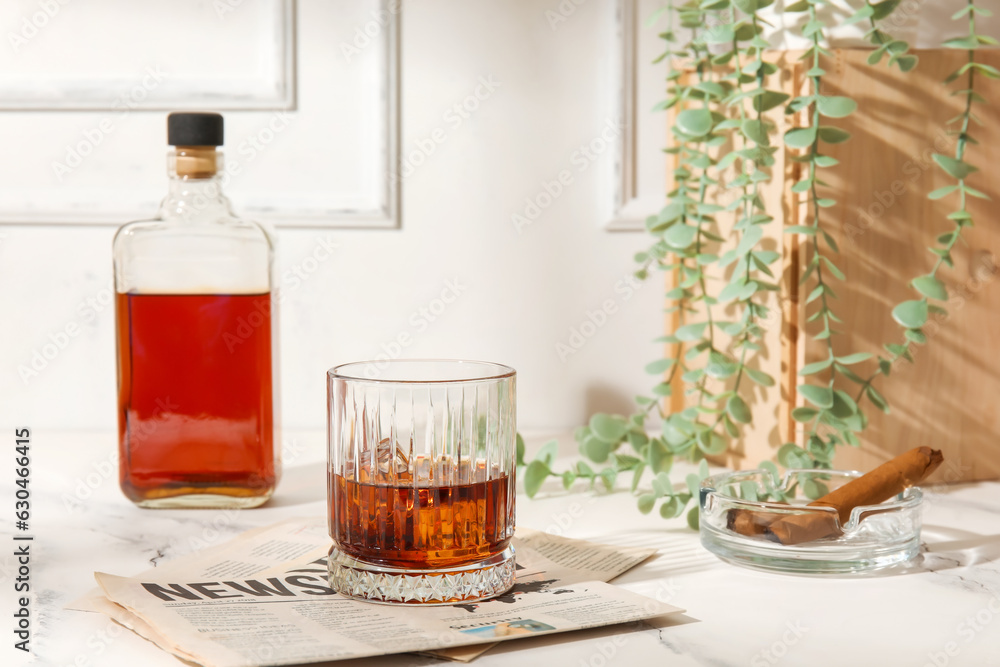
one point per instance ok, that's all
(942, 610)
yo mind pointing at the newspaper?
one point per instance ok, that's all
(263, 599)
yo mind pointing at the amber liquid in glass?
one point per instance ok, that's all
(422, 527)
(195, 402)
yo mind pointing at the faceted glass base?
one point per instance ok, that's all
(390, 585)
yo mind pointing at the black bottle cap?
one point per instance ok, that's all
(194, 128)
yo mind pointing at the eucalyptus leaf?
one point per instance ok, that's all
(731, 291)
(738, 409)
(821, 397)
(814, 489)
(862, 14)
(843, 405)
(836, 107)
(875, 56)
(801, 137)
(941, 193)
(663, 389)
(768, 100)
(812, 27)
(690, 332)
(719, 367)
(966, 42)
(793, 456)
(608, 477)
(804, 414)
(637, 477)
(547, 452)
(659, 366)
(833, 135)
(856, 358)
(711, 88)
(680, 236)
(772, 469)
(662, 486)
(883, 9)
(955, 168)
(534, 477)
(693, 483)
(693, 518)
(609, 428)
(695, 122)
(756, 131)
(877, 399)
(911, 314)
(748, 490)
(638, 439)
(759, 377)
(730, 426)
(711, 443)
(671, 508)
(816, 367)
(931, 287)
(596, 450)
(720, 34)
(659, 458)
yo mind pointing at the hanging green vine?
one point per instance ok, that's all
(720, 100)
(897, 49)
(913, 315)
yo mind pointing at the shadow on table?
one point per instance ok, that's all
(961, 546)
(300, 485)
(679, 551)
(945, 549)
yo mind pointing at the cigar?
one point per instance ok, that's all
(882, 483)
(750, 522)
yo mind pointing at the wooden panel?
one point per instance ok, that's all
(883, 223)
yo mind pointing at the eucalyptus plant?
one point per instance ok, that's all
(717, 88)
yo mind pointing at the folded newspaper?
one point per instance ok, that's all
(263, 599)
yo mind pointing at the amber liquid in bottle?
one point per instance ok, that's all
(195, 398)
(421, 527)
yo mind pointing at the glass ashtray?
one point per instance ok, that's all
(754, 519)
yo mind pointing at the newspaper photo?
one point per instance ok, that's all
(263, 599)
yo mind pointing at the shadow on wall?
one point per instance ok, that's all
(601, 397)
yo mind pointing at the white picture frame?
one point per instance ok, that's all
(640, 166)
(303, 183)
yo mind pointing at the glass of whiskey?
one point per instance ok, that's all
(421, 480)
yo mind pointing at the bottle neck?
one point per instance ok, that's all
(195, 189)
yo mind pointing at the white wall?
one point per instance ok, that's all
(521, 294)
